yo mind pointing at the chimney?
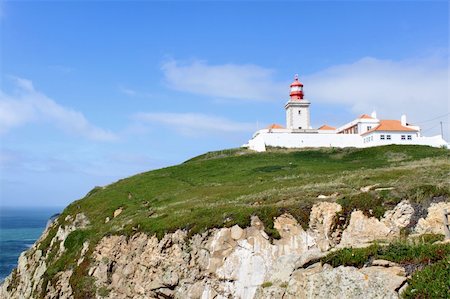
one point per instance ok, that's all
(374, 114)
(403, 120)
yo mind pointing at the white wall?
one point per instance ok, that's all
(286, 139)
(435, 141)
(294, 119)
(299, 140)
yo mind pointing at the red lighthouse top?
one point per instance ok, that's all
(296, 89)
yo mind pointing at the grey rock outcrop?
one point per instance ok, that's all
(230, 262)
(434, 222)
(362, 230)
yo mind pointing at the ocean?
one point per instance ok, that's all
(19, 229)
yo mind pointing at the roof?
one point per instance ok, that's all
(296, 82)
(365, 116)
(391, 126)
(326, 127)
(275, 126)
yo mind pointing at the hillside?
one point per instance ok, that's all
(226, 188)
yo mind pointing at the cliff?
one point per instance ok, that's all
(309, 224)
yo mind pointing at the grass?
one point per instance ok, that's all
(432, 282)
(402, 252)
(221, 189)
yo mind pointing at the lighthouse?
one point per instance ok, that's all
(297, 108)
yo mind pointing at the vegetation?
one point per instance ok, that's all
(221, 189)
(402, 252)
(427, 261)
(432, 282)
(267, 284)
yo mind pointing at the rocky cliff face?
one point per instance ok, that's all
(229, 262)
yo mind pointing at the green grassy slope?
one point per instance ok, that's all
(225, 188)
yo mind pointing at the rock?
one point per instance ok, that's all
(322, 196)
(345, 282)
(391, 277)
(27, 279)
(272, 292)
(400, 216)
(402, 289)
(223, 263)
(321, 223)
(117, 212)
(363, 230)
(236, 232)
(434, 222)
(165, 292)
(384, 263)
(256, 223)
(368, 188)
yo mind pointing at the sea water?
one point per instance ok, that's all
(19, 229)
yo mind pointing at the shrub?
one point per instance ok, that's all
(431, 282)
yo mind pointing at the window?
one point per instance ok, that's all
(388, 137)
(409, 137)
(403, 137)
(369, 127)
(299, 112)
(300, 128)
(382, 137)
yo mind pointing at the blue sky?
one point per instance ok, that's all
(94, 91)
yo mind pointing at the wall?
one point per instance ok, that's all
(435, 141)
(294, 120)
(299, 140)
(286, 139)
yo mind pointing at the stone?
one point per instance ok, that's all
(344, 282)
(363, 230)
(384, 263)
(368, 188)
(434, 222)
(321, 223)
(322, 196)
(117, 212)
(225, 263)
(236, 232)
(400, 216)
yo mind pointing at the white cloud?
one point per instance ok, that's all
(29, 105)
(195, 124)
(417, 87)
(232, 81)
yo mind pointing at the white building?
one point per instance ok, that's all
(364, 131)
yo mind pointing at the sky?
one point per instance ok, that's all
(95, 91)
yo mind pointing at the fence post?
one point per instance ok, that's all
(446, 224)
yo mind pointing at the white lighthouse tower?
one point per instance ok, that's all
(297, 108)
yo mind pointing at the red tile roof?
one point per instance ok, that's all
(326, 127)
(390, 126)
(365, 116)
(275, 126)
